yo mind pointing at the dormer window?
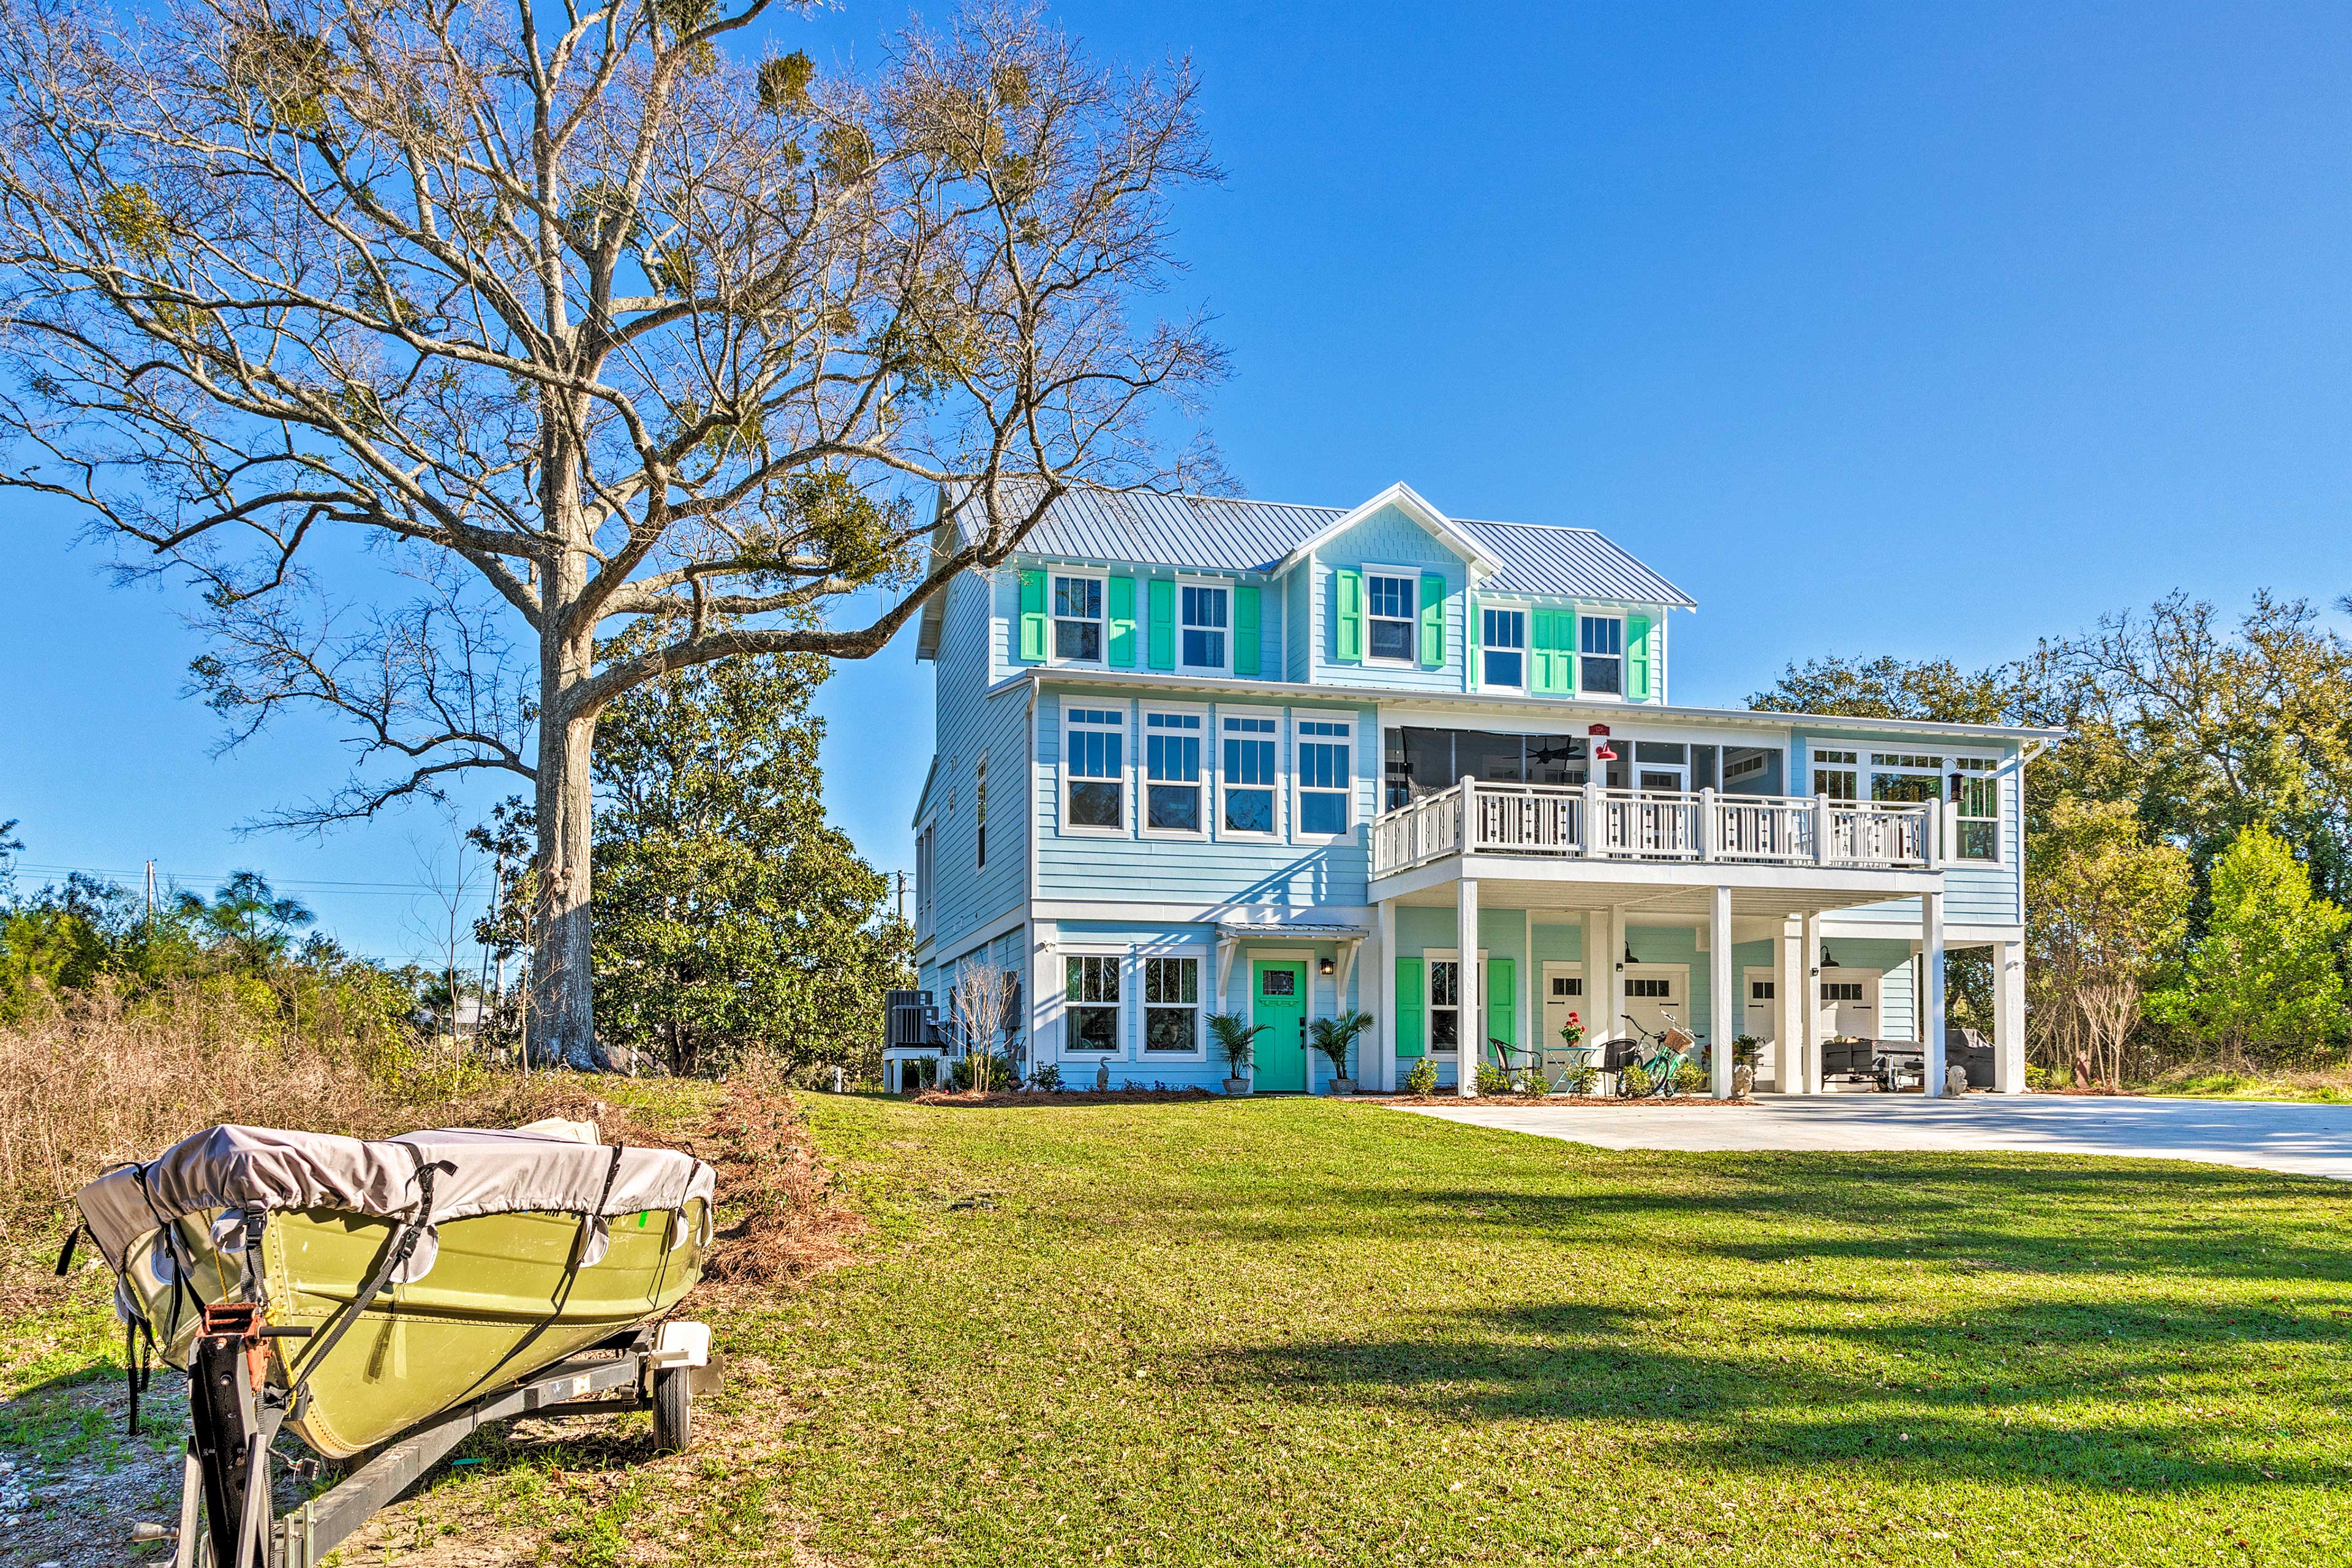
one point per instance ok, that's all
(1078, 619)
(1206, 614)
(1600, 665)
(1389, 603)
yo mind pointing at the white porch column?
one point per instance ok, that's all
(1719, 994)
(1383, 974)
(2008, 1018)
(1787, 999)
(1808, 1027)
(1931, 986)
(1613, 972)
(1470, 1048)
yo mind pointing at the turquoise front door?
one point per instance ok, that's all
(1279, 1000)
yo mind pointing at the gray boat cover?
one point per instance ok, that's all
(552, 1167)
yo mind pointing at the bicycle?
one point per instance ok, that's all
(1668, 1054)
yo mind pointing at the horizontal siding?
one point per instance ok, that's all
(1133, 942)
(1284, 873)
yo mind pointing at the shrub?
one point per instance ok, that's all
(1529, 1081)
(1423, 1079)
(1580, 1078)
(1492, 1079)
(1633, 1080)
(1690, 1079)
(1047, 1080)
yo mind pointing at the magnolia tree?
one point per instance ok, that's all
(587, 317)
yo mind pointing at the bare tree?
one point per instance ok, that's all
(452, 875)
(580, 320)
(980, 1008)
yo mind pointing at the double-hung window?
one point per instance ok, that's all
(1249, 781)
(1095, 765)
(1204, 611)
(1834, 776)
(1171, 1005)
(1503, 648)
(1977, 782)
(1091, 996)
(1078, 619)
(1325, 780)
(1389, 609)
(1601, 655)
(1445, 1006)
(1171, 773)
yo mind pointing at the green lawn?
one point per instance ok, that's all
(1296, 1331)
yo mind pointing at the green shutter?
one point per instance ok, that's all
(1033, 618)
(1432, 620)
(1348, 615)
(1245, 634)
(1161, 647)
(1122, 622)
(1474, 637)
(1413, 1039)
(1637, 659)
(1552, 633)
(1502, 1020)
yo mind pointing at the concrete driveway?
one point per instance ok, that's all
(2306, 1139)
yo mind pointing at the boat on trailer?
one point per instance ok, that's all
(380, 1299)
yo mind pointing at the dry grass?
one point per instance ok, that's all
(972, 1097)
(92, 1081)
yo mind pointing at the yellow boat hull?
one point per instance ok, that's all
(500, 1300)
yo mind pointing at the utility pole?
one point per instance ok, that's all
(151, 900)
(902, 896)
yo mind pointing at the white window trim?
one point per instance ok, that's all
(1224, 583)
(1062, 952)
(1299, 791)
(1053, 658)
(2000, 776)
(1527, 637)
(1619, 615)
(1202, 1006)
(1279, 785)
(1431, 956)
(1207, 783)
(1412, 621)
(1127, 803)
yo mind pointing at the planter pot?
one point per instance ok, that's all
(1237, 1086)
(1343, 1085)
(1743, 1082)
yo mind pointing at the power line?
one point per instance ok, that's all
(291, 885)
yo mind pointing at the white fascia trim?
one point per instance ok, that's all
(1403, 497)
(923, 797)
(1264, 692)
(1269, 917)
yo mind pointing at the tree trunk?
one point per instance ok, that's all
(563, 983)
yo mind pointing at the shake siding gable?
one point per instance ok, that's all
(1387, 538)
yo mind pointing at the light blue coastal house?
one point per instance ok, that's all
(1199, 754)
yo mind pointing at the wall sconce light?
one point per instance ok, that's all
(1324, 967)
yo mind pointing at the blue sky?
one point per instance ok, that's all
(1898, 329)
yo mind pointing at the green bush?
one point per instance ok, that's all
(1690, 1079)
(1580, 1078)
(1492, 1079)
(1633, 1080)
(1423, 1079)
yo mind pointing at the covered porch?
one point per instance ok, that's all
(1798, 954)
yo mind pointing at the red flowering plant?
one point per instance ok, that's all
(1572, 1034)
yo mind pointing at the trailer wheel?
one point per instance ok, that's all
(673, 1409)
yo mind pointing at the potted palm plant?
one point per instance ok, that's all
(1238, 1041)
(1332, 1037)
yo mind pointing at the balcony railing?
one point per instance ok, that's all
(1596, 824)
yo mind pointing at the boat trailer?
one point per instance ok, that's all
(225, 1484)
